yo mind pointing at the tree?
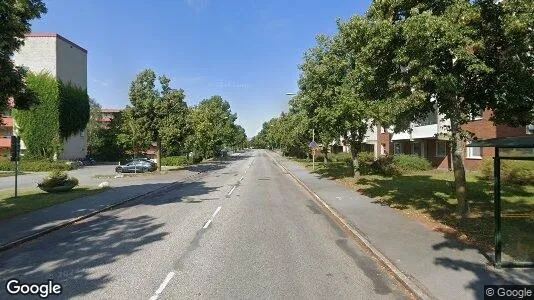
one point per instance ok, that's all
(16, 16)
(460, 57)
(331, 85)
(213, 127)
(94, 137)
(160, 116)
(131, 135)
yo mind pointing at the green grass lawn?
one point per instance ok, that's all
(431, 194)
(32, 199)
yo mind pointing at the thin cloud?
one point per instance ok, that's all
(197, 4)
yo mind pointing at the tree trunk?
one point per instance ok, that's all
(158, 154)
(325, 156)
(457, 152)
(354, 150)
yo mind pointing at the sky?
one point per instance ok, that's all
(246, 51)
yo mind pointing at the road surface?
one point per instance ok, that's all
(245, 230)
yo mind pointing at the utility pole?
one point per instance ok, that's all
(15, 156)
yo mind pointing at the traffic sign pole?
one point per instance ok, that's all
(313, 153)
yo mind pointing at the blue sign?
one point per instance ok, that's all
(313, 145)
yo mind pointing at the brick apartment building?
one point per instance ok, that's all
(428, 139)
(63, 59)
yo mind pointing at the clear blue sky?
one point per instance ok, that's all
(247, 51)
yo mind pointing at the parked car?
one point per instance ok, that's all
(88, 161)
(135, 166)
(153, 165)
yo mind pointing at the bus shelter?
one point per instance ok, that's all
(506, 143)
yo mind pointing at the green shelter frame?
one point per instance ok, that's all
(498, 143)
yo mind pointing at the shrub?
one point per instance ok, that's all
(410, 163)
(345, 157)
(35, 165)
(384, 165)
(400, 164)
(512, 171)
(365, 162)
(174, 161)
(56, 179)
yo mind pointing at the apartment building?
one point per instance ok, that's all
(52, 53)
(429, 139)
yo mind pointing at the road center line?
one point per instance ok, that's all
(216, 212)
(232, 190)
(162, 286)
(212, 216)
(240, 179)
(207, 224)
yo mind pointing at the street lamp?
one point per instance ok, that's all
(313, 135)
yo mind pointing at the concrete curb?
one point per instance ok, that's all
(36, 235)
(406, 281)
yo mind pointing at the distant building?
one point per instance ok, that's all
(52, 53)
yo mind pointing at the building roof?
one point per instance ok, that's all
(506, 142)
(54, 35)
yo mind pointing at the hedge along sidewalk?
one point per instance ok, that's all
(442, 266)
(33, 223)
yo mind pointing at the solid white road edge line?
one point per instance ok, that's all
(162, 286)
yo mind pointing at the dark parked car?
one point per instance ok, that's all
(135, 166)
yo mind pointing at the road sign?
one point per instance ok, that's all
(313, 145)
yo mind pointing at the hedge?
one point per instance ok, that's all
(512, 171)
(36, 165)
(400, 164)
(174, 161)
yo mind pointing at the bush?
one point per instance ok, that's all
(384, 165)
(34, 165)
(512, 171)
(410, 163)
(400, 164)
(365, 162)
(174, 161)
(56, 179)
(345, 157)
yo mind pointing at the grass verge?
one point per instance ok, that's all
(429, 196)
(33, 199)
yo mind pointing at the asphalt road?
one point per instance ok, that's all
(245, 230)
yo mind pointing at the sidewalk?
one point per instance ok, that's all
(31, 223)
(440, 265)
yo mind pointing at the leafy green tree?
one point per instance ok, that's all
(131, 135)
(16, 16)
(331, 94)
(160, 116)
(212, 122)
(460, 57)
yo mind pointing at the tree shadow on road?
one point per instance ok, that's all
(76, 256)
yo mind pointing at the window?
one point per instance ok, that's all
(441, 148)
(382, 129)
(479, 116)
(397, 148)
(383, 149)
(474, 152)
(429, 119)
(530, 129)
(417, 148)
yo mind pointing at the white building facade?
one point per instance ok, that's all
(64, 60)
